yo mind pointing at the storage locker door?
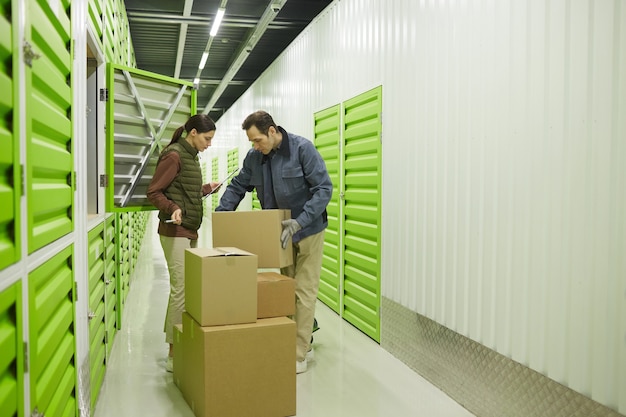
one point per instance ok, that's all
(110, 271)
(327, 135)
(10, 181)
(52, 346)
(206, 209)
(50, 164)
(143, 111)
(97, 327)
(362, 211)
(96, 18)
(232, 162)
(11, 359)
(123, 262)
(215, 175)
(108, 37)
(132, 241)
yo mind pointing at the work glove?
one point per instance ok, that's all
(290, 227)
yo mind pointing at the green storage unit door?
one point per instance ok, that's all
(110, 271)
(96, 18)
(9, 166)
(123, 263)
(143, 111)
(50, 163)
(362, 211)
(327, 136)
(132, 244)
(215, 177)
(97, 308)
(108, 37)
(11, 359)
(52, 345)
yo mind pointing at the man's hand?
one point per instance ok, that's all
(289, 228)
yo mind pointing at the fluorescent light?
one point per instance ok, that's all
(196, 80)
(217, 21)
(205, 55)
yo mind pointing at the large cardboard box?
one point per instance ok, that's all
(220, 285)
(256, 231)
(244, 370)
(178, 355)
(276, 295)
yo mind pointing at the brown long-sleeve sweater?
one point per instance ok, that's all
(165, 172)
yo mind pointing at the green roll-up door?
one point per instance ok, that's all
(110, 272)
(96, 18)
(122, 234)
(97, 308)
(327, 132)
(362, 211)
(108, 37)
(11, 346)
(215, 177)
(52, 346)
(10, 177)
(50, 163)
(143, 111)
(132, 243)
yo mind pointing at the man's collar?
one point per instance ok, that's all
(283, 148)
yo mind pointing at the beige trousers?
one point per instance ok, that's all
(174, 250)
(306, 269)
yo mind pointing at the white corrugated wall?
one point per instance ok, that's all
(504, 165)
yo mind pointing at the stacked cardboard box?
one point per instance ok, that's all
(234, 354)
(256, 231)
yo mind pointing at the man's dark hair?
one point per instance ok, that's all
(261, 119)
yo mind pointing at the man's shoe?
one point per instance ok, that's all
(310, 355)
(169, 364)
(301, 366)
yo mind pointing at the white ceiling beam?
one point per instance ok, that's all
(182, 38)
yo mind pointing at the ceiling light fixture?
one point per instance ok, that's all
(196, 80)
(205, 55)
(217, 21)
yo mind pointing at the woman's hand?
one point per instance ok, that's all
(214, 186)
(177, 216)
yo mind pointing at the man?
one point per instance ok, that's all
(288, 173)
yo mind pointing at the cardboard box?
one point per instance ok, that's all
(220, 285)
(178, 355)
(241, 370)
(256, 231)
(276, 295)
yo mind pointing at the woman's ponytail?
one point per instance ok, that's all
(201, 122)
(177, 135)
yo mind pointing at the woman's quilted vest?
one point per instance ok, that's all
(186, 189)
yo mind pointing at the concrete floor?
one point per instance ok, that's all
(352, 376)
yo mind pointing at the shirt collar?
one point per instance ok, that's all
(188, 147)
(283, 148)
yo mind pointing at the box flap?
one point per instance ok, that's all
(230, 251)
(222, 251)
(271, 277)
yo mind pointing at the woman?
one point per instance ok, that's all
(176, 190)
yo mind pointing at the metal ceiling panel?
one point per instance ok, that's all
(155, 28)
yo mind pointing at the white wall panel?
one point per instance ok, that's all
(504, 165)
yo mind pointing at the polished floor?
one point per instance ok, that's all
(352, 376)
